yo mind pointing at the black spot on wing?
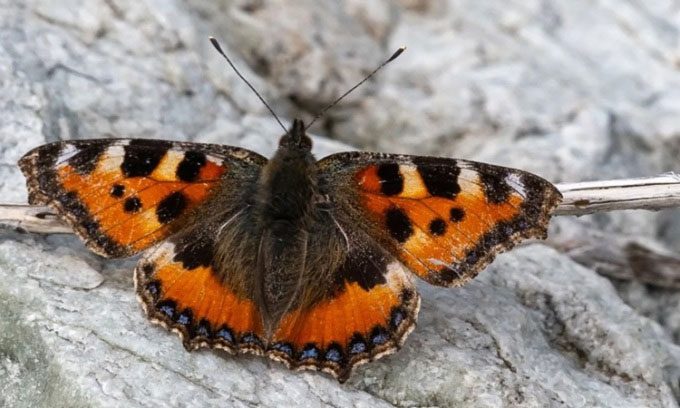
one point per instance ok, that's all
(407, 295)
(142, 157)
(132, 204)
(117, 190)
(447, 274)
(391, 180)
(171, 207)
(456, 214)
(189, 168)
(437, 227)
(367, 269)
(85, 161)
(398, 224)
(440, 179)
(496, 189)
(194, 251)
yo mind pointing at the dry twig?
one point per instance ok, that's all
(649, 193)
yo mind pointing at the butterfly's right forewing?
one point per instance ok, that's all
(445, 219)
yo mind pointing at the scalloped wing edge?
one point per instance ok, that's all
(337, 371)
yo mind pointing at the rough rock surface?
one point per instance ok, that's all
(570, 89)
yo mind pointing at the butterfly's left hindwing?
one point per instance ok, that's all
(445, 219)
(179, 288)
(122, 196)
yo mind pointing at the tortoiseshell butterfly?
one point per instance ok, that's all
(311, 263)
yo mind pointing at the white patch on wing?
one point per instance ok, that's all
(163, 253)
(438, 262)
(166, 170)
(469, 182)
(396, 276)
(67, 152)
(214, 159)
(514, 180)
(414, 187)
(114, 157)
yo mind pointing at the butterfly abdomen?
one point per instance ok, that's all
(281, 264)
(285, 210)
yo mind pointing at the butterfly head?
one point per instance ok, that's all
(296, 139)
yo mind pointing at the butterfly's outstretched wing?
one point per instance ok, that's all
(179, 288)
(444, 219)
(123, 195)
(369, 308)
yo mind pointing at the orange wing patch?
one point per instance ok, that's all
(353, 326)
(178, 289)
(446, 219)
(123, 196)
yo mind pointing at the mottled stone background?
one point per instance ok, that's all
(570, 89)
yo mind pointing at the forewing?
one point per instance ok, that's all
(445, 219)
(123, 195)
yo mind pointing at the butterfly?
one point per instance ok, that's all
(312, 263)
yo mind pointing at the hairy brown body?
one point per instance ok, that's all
(286, 213)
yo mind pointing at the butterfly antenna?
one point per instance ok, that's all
(252, 88)
(323, 111)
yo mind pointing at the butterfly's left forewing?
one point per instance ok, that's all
(123, 195)
(444, 219)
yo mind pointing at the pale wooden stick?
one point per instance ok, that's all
(40, 220)
(651, 193)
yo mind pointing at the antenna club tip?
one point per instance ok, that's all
(215, 44)
(396, 53)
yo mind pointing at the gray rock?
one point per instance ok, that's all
(568, 89)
